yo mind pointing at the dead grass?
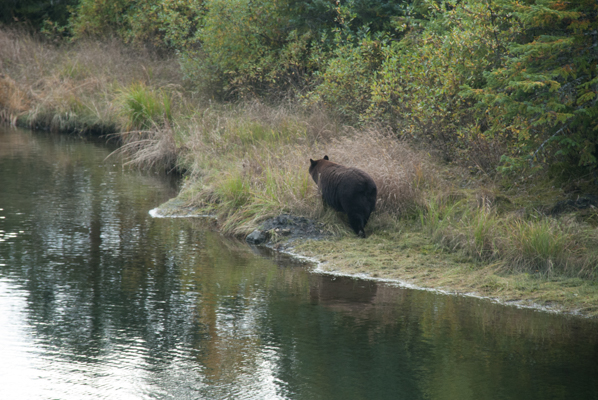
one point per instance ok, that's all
(13, 101)
(250, 161)
(152, 149)
(72, 87)
(398, 170)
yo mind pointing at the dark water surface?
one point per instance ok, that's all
(100, 301)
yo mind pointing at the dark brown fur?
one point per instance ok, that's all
(349, 190)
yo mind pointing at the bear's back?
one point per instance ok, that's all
(338, 183)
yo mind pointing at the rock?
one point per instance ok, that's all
(288, 226)
(257, 237)
(582, 202)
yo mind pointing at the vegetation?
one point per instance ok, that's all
(473, 117)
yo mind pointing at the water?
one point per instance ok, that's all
(100, 301)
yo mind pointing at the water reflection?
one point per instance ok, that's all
(98, 300)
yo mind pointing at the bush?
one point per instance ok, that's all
(344, 78)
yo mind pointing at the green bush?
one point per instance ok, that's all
(99, 17)
(254, 45)
(421, 77)
(345, 78)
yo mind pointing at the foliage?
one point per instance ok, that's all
(98, 17)
(544, 97)
(484, 80)
(173, 24)
(346, 76)
(421, 76)
(257, 45)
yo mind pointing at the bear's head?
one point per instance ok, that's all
(315, 167)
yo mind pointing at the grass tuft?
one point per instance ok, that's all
(143, 107)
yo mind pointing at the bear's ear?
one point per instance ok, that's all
(326, 158)
(312, 162)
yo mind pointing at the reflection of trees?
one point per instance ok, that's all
(483, 350)
(340, 343)
(78, 226)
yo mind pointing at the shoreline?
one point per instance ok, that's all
(321, 266)
(442, 220)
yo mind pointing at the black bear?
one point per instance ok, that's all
(349, 190)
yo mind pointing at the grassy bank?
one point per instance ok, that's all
(437, 224)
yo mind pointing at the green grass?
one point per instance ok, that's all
(144, 107)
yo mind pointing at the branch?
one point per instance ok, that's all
(544, 143)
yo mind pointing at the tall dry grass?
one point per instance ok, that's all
(398, 170)
(73, 87)
(248, 161)
(251, 161)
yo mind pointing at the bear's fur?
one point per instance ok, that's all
(349, 190)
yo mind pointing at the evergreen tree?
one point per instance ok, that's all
(544, 97)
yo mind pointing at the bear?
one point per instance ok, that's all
(346, 189)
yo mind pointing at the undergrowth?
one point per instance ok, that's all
(84, 87)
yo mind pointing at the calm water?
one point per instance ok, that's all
(99, 300)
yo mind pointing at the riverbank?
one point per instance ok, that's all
(409, 259)
(439, 223)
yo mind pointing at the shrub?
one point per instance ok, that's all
(345, 75)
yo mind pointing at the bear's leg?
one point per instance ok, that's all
(357, 224)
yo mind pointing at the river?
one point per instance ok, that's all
(98, 300)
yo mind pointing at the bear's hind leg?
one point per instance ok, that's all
(357, 224)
